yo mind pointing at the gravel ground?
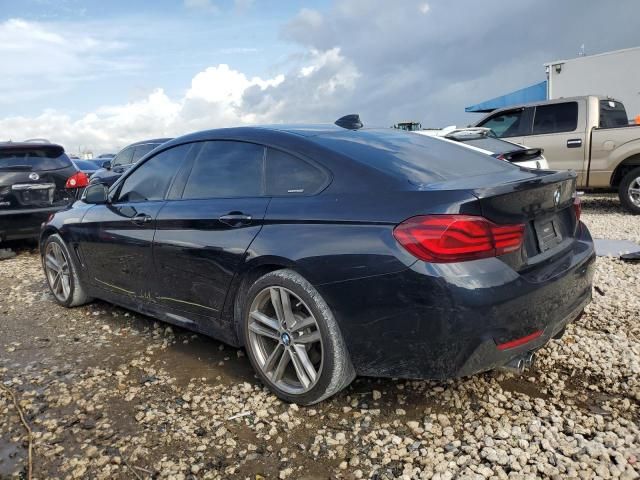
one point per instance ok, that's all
(111, 394)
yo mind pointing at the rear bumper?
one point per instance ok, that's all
(24, 223)
(446, 320)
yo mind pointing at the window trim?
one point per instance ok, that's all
(535, 111)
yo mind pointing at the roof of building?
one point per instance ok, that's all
(533, 93)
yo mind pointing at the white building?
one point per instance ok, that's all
(616, 74)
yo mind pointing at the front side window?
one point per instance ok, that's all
(151, 180)
(141, 151)
(226, 169)
(555, 118)
(288, 175)
(124, 157)
(507, 124)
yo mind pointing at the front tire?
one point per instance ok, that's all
(293, 340)
(62, 274)
(629, 191)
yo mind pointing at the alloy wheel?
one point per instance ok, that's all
(634, 191)
(56, 266)
(285, 339)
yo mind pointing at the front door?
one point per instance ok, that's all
(203, 234)
(116, 238)
(560, 131)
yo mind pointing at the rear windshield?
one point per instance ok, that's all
(418, 158)
(33, 158)
(85, 164)
(612, 114)
(491, 144)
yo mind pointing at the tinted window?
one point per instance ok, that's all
(612, 114)
(151, 180)
(84, 164)
(555, 118)
(124, 157)
(506, 124)
(226, 169)
(288, 175)
(45, 158)
(417, 158)
(141, 151)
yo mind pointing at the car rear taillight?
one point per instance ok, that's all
(77, 180)
(577, 207)
(457, 238)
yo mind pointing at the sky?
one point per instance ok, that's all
(96, 75)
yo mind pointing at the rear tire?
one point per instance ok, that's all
(293, 340)
(62, 274)
(629, 191)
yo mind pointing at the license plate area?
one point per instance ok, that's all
(36, 194)
(548, 233)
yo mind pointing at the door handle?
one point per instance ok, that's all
(141, 219)
(574, 143)
(235, 219)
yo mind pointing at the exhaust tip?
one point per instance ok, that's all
(519, 364)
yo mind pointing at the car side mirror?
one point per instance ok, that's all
(96, 194)
(106, 164)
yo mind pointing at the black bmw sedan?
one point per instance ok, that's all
(328, 252)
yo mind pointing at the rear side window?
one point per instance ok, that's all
(612, 114)
(225, 169)
(141, 151)
(507, 124)
(555, 118)
(289, 175)
(151, 180)
(36, 159)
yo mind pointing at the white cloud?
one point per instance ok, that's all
(39, 60)
(218, 96)
(424, 8)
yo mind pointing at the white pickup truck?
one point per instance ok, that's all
(590, 135)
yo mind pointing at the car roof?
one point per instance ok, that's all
(153, 140)
(33, 145)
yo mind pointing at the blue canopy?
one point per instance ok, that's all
(534, 93)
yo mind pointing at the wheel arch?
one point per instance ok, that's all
(623, 168)
(44, 234)
(251, 271)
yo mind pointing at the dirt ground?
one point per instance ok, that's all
(112, 394)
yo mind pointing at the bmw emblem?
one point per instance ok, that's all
(34, 176)
(556, 197)
(286, 339)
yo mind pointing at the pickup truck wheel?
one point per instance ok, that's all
(629, 191)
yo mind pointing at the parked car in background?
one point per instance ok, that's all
(128, 156)
(36, 180)
(85, 166)
(329, 252)
(483, 140)
(590, 135)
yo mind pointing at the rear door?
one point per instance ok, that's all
(116, 238)
(34, 177)
(559, 129)
(204, 231)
